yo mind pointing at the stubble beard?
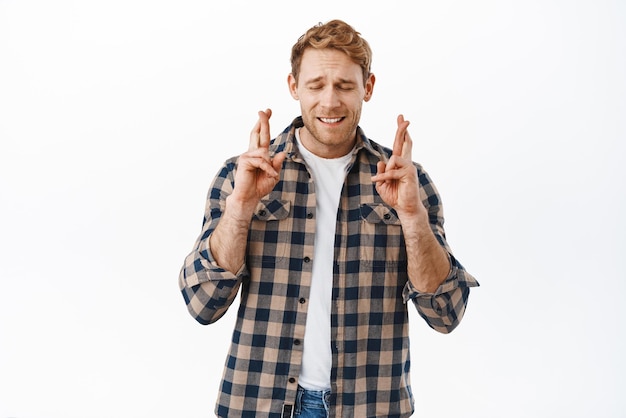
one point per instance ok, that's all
(344, 137)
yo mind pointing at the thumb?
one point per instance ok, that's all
(277, 161)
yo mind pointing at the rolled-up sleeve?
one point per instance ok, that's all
(443, 309)
(208, 289)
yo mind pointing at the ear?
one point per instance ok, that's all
(369, 87)
(293, 86)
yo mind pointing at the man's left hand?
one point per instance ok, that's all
(396, 180)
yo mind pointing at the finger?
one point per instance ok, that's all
(254, 136)
(277, 161)
(255, 161)
(264, 134)
(398, 142)
(390, 175)
(260, 128)
(381, 166)
(407, 147)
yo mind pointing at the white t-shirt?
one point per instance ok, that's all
(329, 176)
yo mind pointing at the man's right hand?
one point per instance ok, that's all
(257, 172)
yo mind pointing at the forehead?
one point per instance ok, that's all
(328, 64)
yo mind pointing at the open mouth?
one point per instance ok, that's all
(331, 120)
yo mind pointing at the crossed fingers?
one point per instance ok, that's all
(402, 145)
(257, 161)
(400, 161)
(260, 135)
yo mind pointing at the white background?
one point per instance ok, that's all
(115, 116)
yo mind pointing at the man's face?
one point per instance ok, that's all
(331, 92)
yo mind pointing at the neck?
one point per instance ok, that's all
(326, 149)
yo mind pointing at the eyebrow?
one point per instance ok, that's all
(340, 81)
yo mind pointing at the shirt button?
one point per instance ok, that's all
(387, 216)
(262, 212)
(309, 215)
(302, 300)
(292, 380)
(296, 342)
(307, 259)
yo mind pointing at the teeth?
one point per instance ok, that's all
(330, 120)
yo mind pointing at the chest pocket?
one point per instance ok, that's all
(270, 232)
(381, 236)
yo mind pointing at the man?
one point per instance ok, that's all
(328, 235)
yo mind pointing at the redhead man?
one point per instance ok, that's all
(327, 235)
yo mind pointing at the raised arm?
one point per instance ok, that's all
(212, 272)
(438, 283)
(256, 176)
(398, 185)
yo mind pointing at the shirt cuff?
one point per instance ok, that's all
(216, 271)
(457, 278)
(449, 284)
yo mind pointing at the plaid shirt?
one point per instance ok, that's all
(369, 318)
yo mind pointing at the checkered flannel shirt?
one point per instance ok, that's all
(369, 319)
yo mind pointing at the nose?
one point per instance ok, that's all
(330, 98)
